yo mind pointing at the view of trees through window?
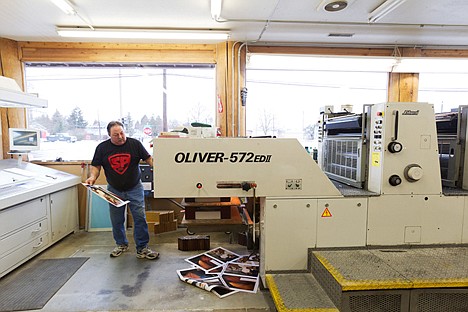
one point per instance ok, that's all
(281, 101)
(83, 98)
(286, 93)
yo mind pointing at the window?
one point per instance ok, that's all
(446, 91)
(442, 81)
(285, 97)
(83, 98)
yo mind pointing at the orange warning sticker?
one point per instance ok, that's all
(326, 213)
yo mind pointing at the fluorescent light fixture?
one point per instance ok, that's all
(65, 6)
(320, 63)
(216, 9)
(259, 61)
(431, 65)
(384, 9)
(12, 96)
(163, 34)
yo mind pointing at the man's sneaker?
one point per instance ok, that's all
(147, 253)
(118, 250)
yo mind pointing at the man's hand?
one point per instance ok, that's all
(90, 180)
(93, 175)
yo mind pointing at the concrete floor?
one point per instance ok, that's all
(130, 284)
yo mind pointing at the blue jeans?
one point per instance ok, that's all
(137, 209)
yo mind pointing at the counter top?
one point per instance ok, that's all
(25, 181)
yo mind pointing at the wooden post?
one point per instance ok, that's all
(222, 94)
(10, 117)
(403, 87)
(230, 80)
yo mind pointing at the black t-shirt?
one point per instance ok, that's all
(121, 162)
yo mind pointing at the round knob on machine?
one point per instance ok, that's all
(395, 147)
(199, 185)
(413, 172)
(394, 180)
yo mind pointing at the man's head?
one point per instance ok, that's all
(116, 132)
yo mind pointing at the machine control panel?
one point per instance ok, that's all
(403, 155)
(377, 132)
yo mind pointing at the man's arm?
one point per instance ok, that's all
(149, 161)
(94, 174)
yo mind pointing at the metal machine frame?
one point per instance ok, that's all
(402, 202)
(343, 149)
(451, 136)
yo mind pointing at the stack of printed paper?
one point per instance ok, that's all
(222, 272)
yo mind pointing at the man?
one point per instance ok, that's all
(120, 157)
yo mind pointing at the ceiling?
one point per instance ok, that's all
(418, 23)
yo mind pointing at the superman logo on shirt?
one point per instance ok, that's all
(120, 162)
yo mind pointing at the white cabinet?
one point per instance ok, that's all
(12, 260)
(282, 251)
(342, 222)
(63, 213)
(35, 214)
(24, 232)
(20, 215)
(29, 228)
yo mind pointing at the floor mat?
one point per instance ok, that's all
(32, 288)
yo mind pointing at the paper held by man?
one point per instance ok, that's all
(108, 196)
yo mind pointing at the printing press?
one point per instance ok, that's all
(452, 136)
(344, 156)
(377, 183)
(342, 153)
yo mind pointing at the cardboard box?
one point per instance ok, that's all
(158, 221)
(163, 204)
(164, 216)
(153, 216)
(165, 227)
(129, 220)
(172, 226)
(151, 226)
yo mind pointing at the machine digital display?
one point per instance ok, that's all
(24, 140)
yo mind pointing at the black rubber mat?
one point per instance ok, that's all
(32, 287)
